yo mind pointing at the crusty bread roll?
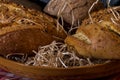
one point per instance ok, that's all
(99, 40)
(23, 30)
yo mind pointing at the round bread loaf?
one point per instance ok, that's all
(23, 30)
(72, 11)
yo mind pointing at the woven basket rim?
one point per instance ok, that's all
(54, 68)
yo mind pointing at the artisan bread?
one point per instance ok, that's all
(100, 39)
(72, 11)
(23, 30)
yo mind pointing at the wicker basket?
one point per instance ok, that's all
(45, 73)
(75, 73)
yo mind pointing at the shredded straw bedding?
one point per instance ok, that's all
(57, 54)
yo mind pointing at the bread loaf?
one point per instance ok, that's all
(23, 30)
(100, 39)
(72, 11)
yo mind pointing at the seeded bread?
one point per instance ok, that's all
(23, 30)
(99, 40)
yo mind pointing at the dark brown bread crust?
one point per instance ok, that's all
(23, 30)
(24, 41)
(15, 13)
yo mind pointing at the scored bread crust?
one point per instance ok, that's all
(102, 39)
(23, 30)
(106, 18)
(18, 14)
